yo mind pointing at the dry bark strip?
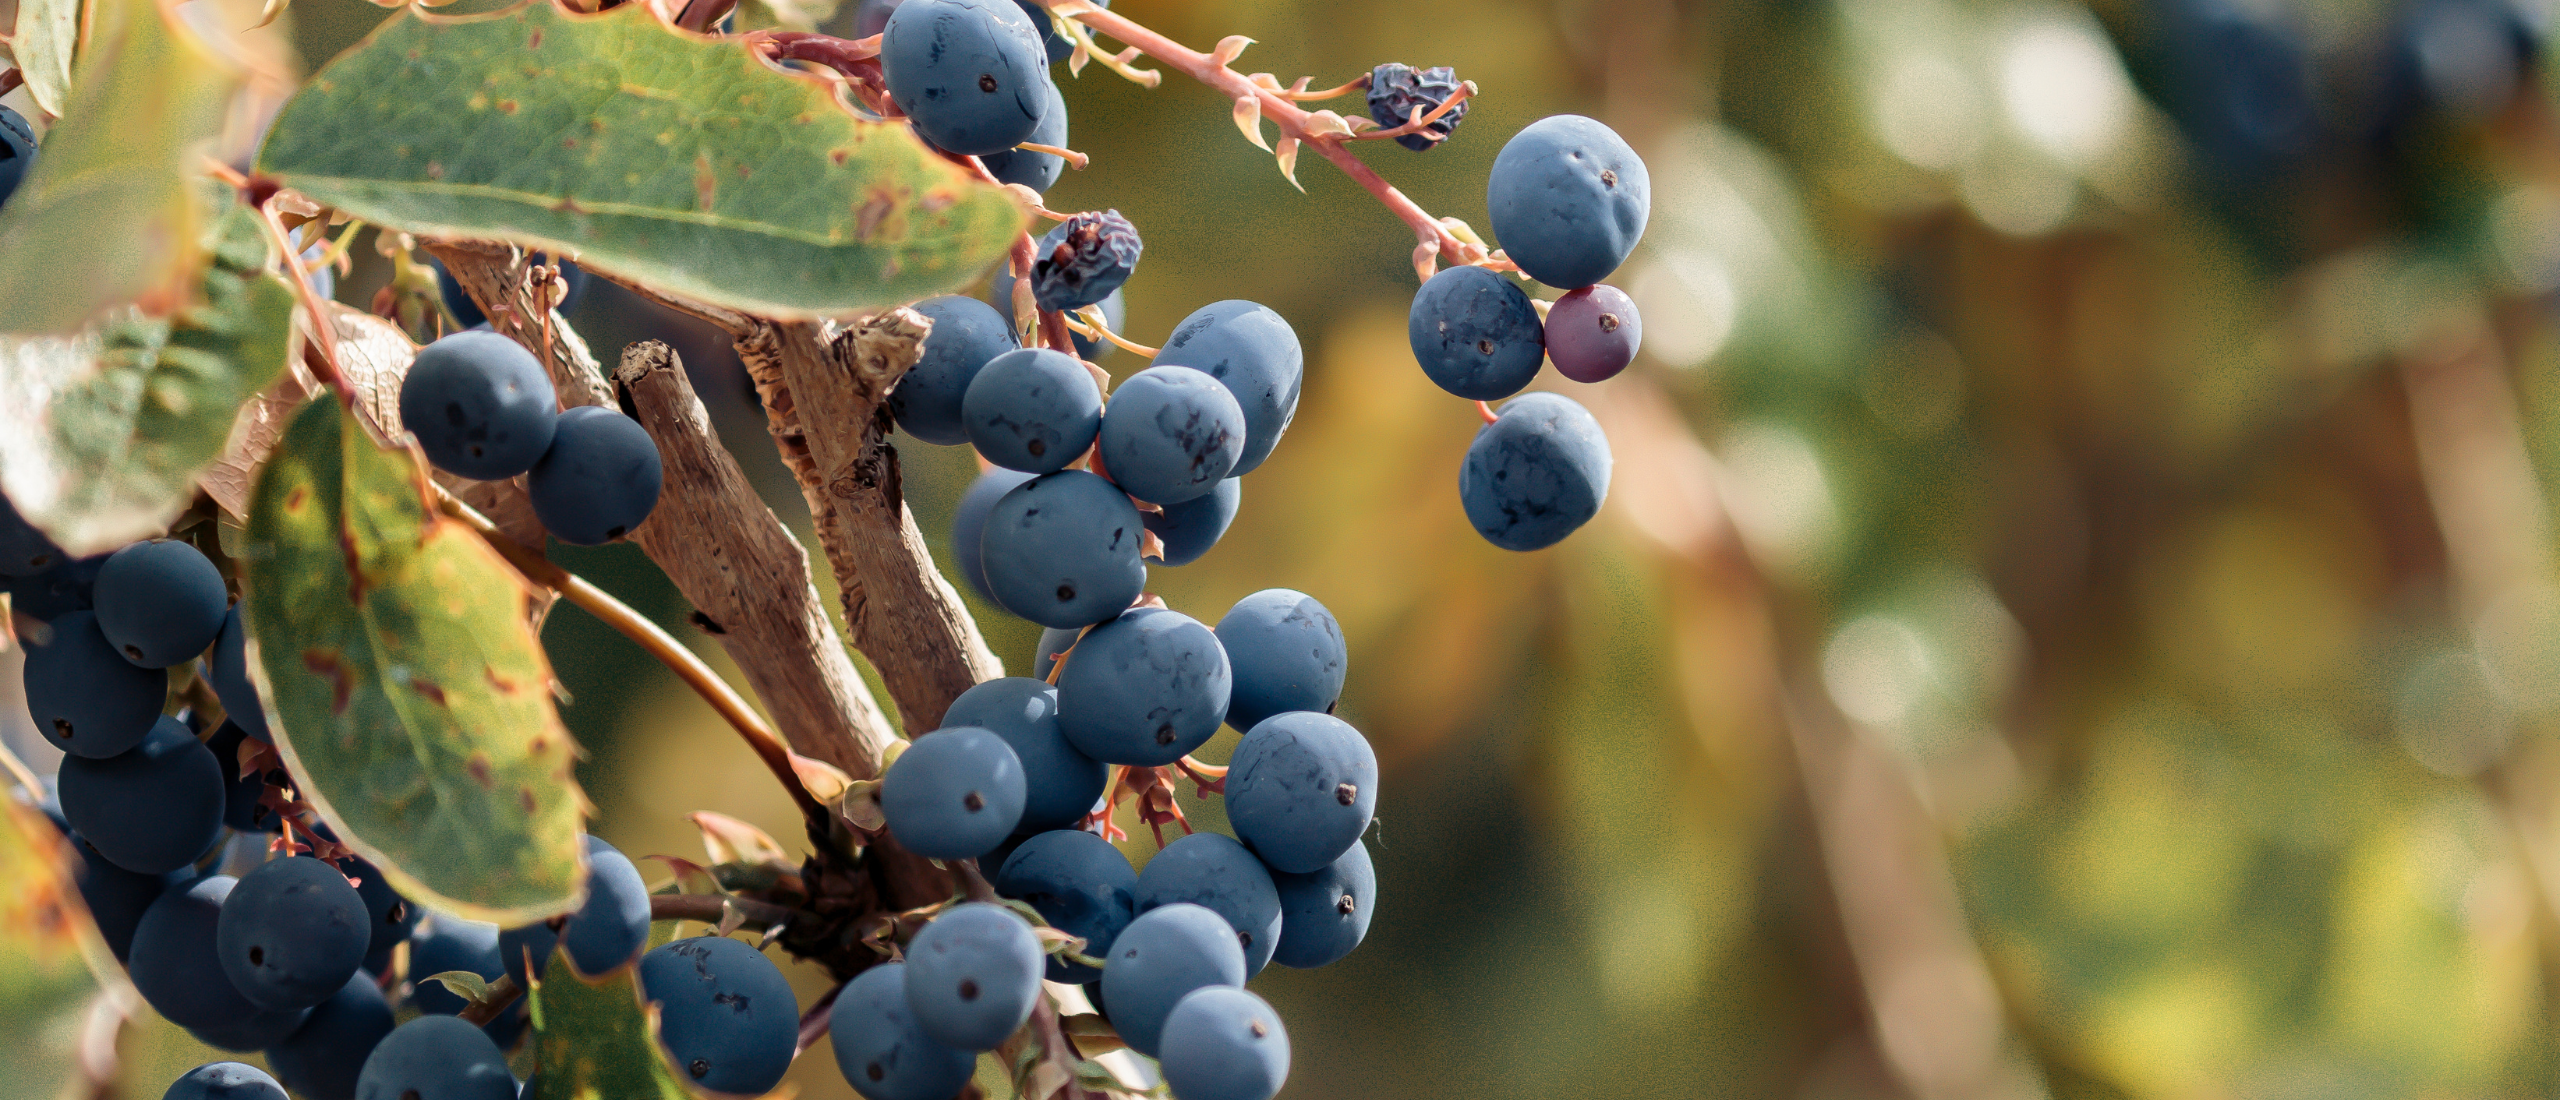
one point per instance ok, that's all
(823, 389)
(731, 557)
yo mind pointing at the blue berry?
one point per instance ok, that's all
(1287, 654)
(225, 1081)
(969, 524)
(1256, 354)
(879, 1048)
(1084, 259)
(1300, 790)
(291, 932)
(1061, 783)
(256, 1031)
(1030, 167)
(24, 551)
(955, 793)
(1144, 688)
(599, 479)
(84, 697)
(1032, 409)
(117, 898)
(160, 602)
(436, 1058)
(1536, 474)
(1163, 956)
(390, 916)
(1062, 550)
(324, 1058)
(68, 585)
(1325, 913)
(229, 673)
(1222, 1043)
(726, 1013)
(1081, 885)
(973, 976)
(1189, 529)
(1212, 870)
(17, 152)
(1171, 434)
(1476, 334)
(1568, 200)
(175, 964)
(480, 405)
(967, 72)
(153, 808)
(448, 943)
(457, 301)
(966, 334)
(1395, 90)
(606, 932)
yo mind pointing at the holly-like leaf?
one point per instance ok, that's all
(683, 162)
(48, 34)
(103, 435)
(597, 1040)
(409, 697)
(109, 216)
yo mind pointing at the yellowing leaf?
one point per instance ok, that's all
(407, 692)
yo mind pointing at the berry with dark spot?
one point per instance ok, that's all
(1536, 474)
(1222, 1043)
(1212, 870)
(973, 975)
(161, 602)
(1033, 410)
(1476, 334)
(599, 479)
(1158, 960)
(967, 72)
(1062, 550)
(1144, 688)
(480, 405)
(1568, 200)
(725, 1013)
(291, 933)
(1300, 789)
(879, 1048)
(436, 1058)
(955, 793)
(84, 697)
(1286, 652)
(1593, 333)
(1325, 912)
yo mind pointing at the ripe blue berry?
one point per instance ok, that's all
(1222, 1043)
(973, 975)
(967, 72)
(1032, 409)
(1476, 334)
(1158, 960)
(225, 1081)
(291, 933)
(1255, 353)
(1144, 688)
(966, 334)
(436, 1058)
(229, 673)
(1301, 789)
(879, 1048)
(969, 524)
(1568, 200)
(726, 1013)
(1080, 884)
(599, 479)
(85, 698)
(1191, 528)
(1171, 434)
(153, 808)
(480, 405)
(1062, 550)
(1031, 167)
(954, 794)
(1287, 654)
(160, 602)
(1213, 870)
(1061, 783)
(24, 551)
(1536, 474)
(1325, 913)
(325, 1057)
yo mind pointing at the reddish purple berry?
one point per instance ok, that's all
(1593, 333)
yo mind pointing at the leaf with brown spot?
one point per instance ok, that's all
(390, 712)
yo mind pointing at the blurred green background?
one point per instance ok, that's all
(2076, 612)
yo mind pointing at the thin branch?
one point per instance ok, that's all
(714, 908)
(1294, 122)
(312, 305)
(493, 1000)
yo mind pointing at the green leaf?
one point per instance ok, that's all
(107, 432)
(109, 218)
(597, 1040)
(463, 984)
(48, 34)
(408, 694)
(681, 162)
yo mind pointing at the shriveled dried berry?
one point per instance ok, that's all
(1395, 90)
(1084, 260)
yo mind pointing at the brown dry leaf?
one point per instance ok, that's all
(730, 840)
